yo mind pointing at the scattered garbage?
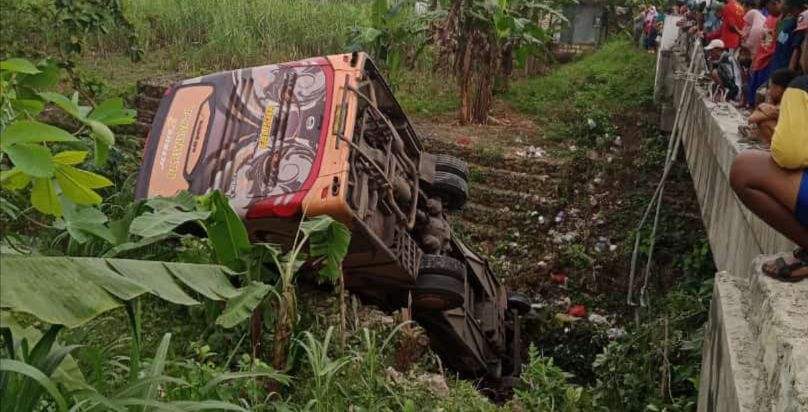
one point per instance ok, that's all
(565, 318)
(559, 278)
(559, 238)
(531, 152)
(614, 333)
(560, 217)
(591, 123)
(618, 141)
(601, 245)
(598, 319)
(433, 382)
(578, 311)
(464, 141)
(542, 220)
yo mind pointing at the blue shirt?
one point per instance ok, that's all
(787, 41)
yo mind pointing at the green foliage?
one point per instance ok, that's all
(575, 256)
(238, 34)
(516, 24)
(608, 81)
(26, 141)
(323, 370)
(28, 374)
(329, 240)
(79, 19)
(71, 291)
(544, 387)
(242, 306)
(226, 230)
(489, 36)
(395, 37)
(656, 365)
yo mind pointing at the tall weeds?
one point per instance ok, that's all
(234, 33)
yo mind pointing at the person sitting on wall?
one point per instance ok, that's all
(726, 72)
(774, 186)
(763, 120)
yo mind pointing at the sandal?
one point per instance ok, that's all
(749, 133)
(784, 272)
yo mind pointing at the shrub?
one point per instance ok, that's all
(544, 387)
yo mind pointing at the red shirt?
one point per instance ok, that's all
(731, 15)
(768, 43)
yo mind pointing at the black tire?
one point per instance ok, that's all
(518, 302)
(451, 188)
(451, 164)
(438, 293)
(442, 265)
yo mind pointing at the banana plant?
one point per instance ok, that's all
(327, 242)
(396, 35)
(71, 291)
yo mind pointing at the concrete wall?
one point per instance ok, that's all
(755, 353)
(710, 138)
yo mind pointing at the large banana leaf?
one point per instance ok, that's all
(70, 291)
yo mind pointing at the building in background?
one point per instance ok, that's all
(586, 29)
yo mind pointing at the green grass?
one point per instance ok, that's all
(421, 92)
(236, 33)
(204, 33)
(612, 79)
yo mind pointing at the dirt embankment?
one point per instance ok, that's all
(556, 220)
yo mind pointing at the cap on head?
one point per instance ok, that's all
(715, 44)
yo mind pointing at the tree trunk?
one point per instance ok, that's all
(465, 77)
(447, 36)
(284, 322)
(256, 329)
(487, 72)
(506, 65)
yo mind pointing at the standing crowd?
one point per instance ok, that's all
(757, 58)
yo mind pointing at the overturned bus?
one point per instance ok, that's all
(325, 136)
